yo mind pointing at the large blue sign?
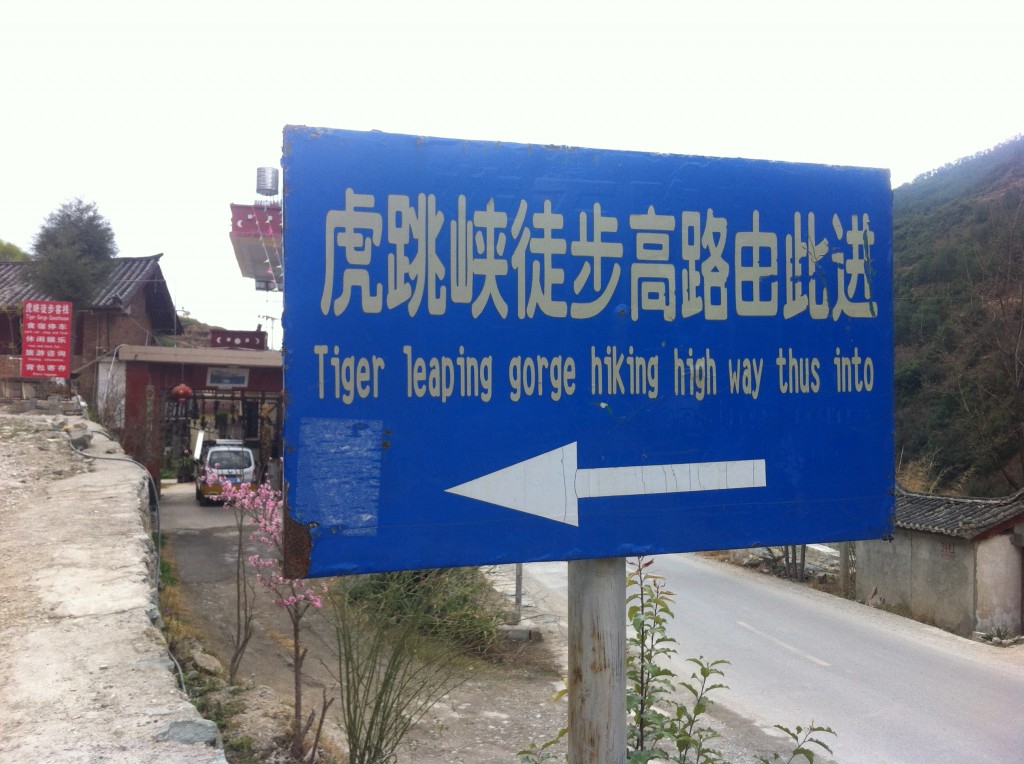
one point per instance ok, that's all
(499, 352)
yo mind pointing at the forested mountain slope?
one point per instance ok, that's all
(958, 244)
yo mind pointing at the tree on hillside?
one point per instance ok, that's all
(958, 243)
(72, 253)
(12, 253)
(976, 405)
(990, 372)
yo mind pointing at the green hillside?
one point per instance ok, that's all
(958, 242)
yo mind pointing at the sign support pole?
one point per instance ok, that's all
(597, 661)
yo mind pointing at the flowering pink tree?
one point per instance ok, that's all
(296, 596)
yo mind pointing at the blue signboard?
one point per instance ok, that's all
(499, 352)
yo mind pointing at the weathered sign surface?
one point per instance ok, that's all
(500, 352)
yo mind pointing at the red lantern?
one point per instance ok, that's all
(182, 392)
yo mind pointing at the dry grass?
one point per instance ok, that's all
(282, 640)
(179, 623)
(921, 476)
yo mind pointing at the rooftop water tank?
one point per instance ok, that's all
(266, 181)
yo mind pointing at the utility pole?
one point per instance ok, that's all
(272, 320)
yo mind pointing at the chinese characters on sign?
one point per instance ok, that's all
(676, 267)
(46, 339)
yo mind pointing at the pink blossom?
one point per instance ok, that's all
(262, 505)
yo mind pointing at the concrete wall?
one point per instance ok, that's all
(951, 583)
(883, 571)
(943, 581)
(929, 576)
(999, 577)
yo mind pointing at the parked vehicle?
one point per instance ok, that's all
(218, 461)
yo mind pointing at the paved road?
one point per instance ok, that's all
(896, 691)
(181, 511)
(205, 552)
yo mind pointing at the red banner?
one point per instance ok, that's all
(260, 221)
(46, 339)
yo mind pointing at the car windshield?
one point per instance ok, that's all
(230, 460)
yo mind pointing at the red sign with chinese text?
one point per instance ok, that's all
(46, 339)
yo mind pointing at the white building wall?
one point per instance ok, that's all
(999, 581)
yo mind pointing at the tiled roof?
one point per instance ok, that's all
(958, 516)
(127, 276)
(14, 288)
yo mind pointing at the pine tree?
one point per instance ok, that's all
(72, 253)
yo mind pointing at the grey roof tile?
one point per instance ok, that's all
(127, 276)
(958, 516)
(14, 288)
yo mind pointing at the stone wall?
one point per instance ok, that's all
(85, 674)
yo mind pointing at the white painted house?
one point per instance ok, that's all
(955, 562)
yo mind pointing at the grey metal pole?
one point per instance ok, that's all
(597, 661)
(519, 592)
(844, 567)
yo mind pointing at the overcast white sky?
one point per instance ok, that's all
(160, 114)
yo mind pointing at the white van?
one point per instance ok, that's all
(219, 461)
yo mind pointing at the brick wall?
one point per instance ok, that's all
(102, 331)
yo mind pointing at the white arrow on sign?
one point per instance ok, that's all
(550, 485)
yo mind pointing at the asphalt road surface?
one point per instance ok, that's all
(896, 691)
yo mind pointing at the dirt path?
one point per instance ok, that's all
(504, 705)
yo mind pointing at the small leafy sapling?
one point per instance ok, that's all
(802, 740)
(241, 500)
(295, 595)
(659, 726)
